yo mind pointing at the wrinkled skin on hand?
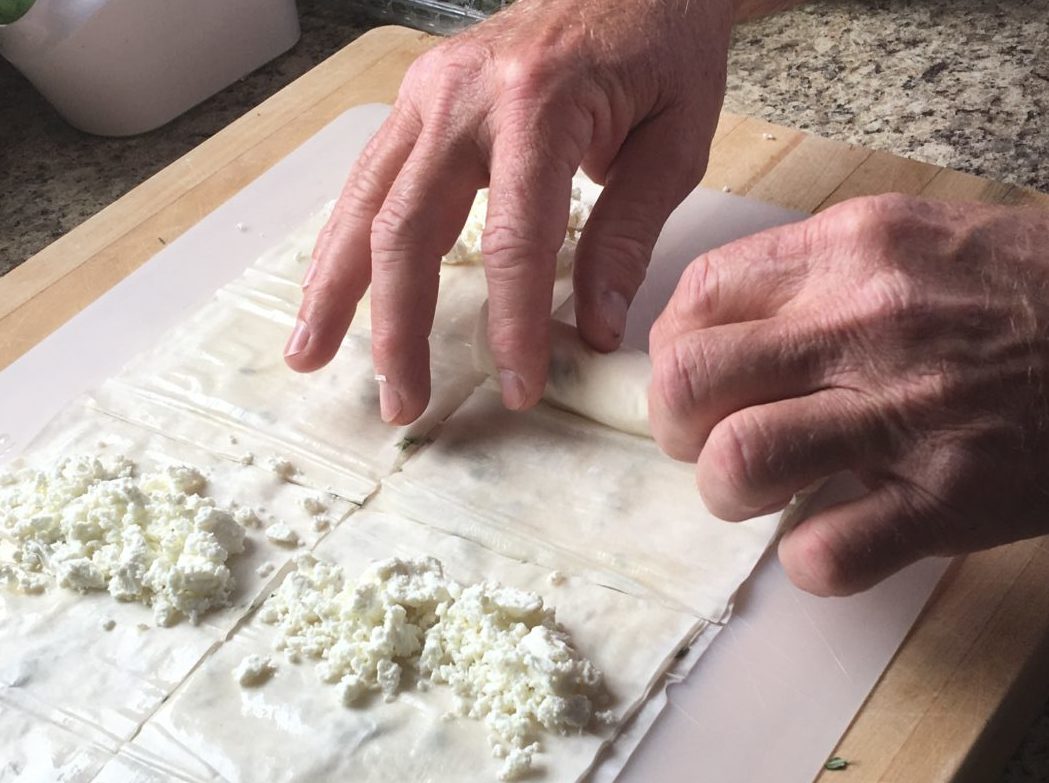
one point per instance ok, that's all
(629, 90)
(902, 339)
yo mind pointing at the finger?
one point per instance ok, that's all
(704, 376)
(531, 183)
(418, 223)
(852, 546)
(645, 182)
(745, 280)
(756, 459)
(341, 270)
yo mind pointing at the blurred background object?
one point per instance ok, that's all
(443, 17)
(121, 67)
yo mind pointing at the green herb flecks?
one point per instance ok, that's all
(835, 763)
(10, 10)
(411, 442)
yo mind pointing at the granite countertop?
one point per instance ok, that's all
(958, 83)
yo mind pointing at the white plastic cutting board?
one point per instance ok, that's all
(777, 687)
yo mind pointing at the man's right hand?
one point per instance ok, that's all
(629, 89)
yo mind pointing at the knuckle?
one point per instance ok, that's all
(526, 75)
(732, 447)
(892, 296)
(392, 228)
(505, 243)
(875, 220)
(817, 566)
(701, 284)
(676, 375)
(621, 254)
(444, 68)
(362, 195)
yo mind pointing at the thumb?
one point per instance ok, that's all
(655, 169)
(852, 546)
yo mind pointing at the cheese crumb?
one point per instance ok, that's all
(500, 650)
(284, 468)
(265, 569)
(247, 517)
(556, 578)
(313, 505)
(101, 524)
(247, 458)
(254, 670)
(280, 533)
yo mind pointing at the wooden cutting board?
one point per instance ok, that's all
(975, 669)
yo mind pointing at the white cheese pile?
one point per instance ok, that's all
(500, 649)
(99, 524)
(467, 248)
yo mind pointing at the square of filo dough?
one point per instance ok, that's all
(554, 488)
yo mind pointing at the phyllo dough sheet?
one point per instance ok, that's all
(294, 728)
(222, 374)
(553, 488)
(60, 665)
(34, 750)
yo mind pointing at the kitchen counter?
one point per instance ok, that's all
(893, 81)
(963, 84)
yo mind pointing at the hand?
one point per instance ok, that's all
(629, 89)
(905, 340)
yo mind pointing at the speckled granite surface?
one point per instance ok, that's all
(959, 83)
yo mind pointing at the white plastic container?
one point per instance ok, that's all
(119, 67)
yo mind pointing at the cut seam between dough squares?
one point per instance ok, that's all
(630, 639)
(553, 488)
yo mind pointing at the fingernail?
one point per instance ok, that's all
(390, 402)
(299, 337)
(310, 272)
(613, 311)
(513, 389)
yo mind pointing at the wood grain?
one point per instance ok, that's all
(973, 669)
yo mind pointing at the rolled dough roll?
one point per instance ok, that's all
(610, 388)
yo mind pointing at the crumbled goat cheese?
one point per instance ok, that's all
(313, 505)
(280, 533)
(321, 523)
(556, 578)
(284, 468)
(247, 458)
(254, 670)
(467, 248)
(100, 524)
(500, 649)
(247, 517)
(265, 569)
